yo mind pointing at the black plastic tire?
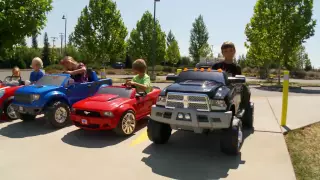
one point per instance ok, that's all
(5, 109)
(26, 117)
(120, 129)
(159, 133)
(229, 142)
(248, 117)
(50, 114)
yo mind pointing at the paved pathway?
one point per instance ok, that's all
(34, 151)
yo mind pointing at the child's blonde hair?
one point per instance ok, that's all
(139, 65)
(38, 61)
(16, 68)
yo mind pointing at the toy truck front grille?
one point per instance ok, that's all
(22, 98)
(199, 102)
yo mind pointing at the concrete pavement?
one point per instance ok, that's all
(35, 151)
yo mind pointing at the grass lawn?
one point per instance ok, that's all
(304, 149)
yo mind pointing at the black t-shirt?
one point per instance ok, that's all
(232, 68)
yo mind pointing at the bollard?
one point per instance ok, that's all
(103, 73)
(178, 71)
(285, 91)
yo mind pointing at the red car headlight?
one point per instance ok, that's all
(73, 110)
(107, 114)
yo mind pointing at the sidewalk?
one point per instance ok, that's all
(302, 110)
(264, 152)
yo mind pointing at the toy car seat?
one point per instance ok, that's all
(92, 75)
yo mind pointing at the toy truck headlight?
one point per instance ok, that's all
(108, 114)
(162, 100)
(35, 97)
(218, 105)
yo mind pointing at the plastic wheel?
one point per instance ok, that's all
(159, 133)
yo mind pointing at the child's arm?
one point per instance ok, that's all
(78, 71)
(145, 86)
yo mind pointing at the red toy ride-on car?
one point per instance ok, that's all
(7, 88)
(114, 107)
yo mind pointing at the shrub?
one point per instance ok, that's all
(312, 75)
(169, 69)
(300, 74)
(54, 68)
(273, 71)
(247, 70)
(111, 72)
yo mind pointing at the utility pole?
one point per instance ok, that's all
(53, 41)
(61, 38)
(64, 17)
(52, 49)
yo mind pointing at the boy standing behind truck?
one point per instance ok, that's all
(228, 50)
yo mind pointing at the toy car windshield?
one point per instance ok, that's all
(53, 80)
(122, 92)
(215, 76)
(12, 81)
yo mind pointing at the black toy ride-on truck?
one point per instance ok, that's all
(203, 101)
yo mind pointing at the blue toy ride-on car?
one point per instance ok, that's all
(53, 95)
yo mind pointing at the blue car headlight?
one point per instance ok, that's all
(35, 97)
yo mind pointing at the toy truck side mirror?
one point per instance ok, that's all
(237, 79)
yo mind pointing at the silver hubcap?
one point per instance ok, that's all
(61, 115)
(11, 113)
(128, 123)
(239, 137)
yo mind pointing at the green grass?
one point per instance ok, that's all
(304, 148)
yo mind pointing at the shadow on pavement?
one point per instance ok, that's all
(24, 129)
(97, 139)
(301, 91)
(191, 156)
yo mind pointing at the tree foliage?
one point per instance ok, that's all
(277, 29)
(140, 42)
(170, 38)
(173, 53)
(21, 18)
(199, 39)
(46, 50)
(100, 32)
(34, 41)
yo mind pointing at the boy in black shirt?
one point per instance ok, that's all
(228, 51)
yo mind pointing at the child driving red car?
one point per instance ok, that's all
(141, 81)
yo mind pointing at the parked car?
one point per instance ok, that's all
(114, 107)
(203, 101)
(53, 95)
(118, 65)
(7, 88)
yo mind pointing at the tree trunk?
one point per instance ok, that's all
(279, 71)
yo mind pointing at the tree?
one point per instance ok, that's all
(198, 39)
(242, 61)
(20, 18)
(34, 41)
(140, 42)
(46, 50)
(277, 29)
(170, 38)
(100, 32)
(173, 53)
(308, 65)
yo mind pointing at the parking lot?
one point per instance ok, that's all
(35, 151)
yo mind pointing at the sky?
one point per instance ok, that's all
(225, 20)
